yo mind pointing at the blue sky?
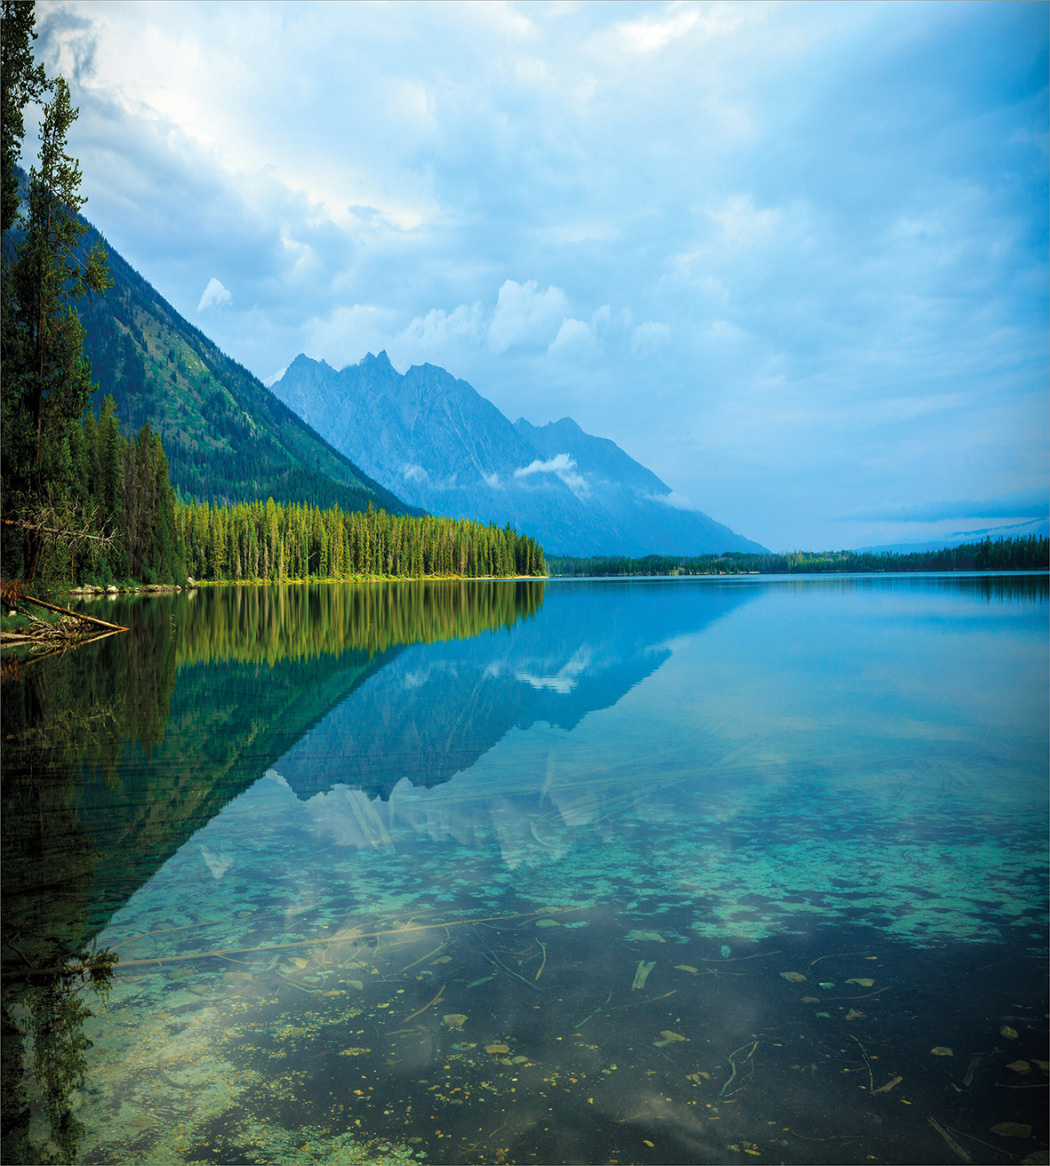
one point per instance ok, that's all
(791, 257)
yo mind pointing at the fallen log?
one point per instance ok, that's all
(113, 627)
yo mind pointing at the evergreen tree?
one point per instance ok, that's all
(47, 378)
(23, 83)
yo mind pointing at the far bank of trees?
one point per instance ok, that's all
(272, 541)
(1030, 553)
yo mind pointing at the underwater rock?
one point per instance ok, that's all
(1012, 1129)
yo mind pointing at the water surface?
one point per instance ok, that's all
(662, 871)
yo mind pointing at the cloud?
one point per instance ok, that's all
(675, 500)
(434, 330)
(214, 296)
(1022, 504)
(345, 334)
(565, 679)
(822, 226)
(649, 338)
(574, 339)
(651, 33)
(525, 315)
(563, 467)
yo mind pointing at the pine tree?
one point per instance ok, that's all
(47, 378)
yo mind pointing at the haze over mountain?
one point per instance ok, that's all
(436, 442)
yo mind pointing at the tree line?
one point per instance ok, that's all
(274, 541)
(1027, 553)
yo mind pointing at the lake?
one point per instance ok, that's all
(679, 871)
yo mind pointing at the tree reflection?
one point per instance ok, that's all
(115, 753)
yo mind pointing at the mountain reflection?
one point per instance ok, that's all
(386, 755)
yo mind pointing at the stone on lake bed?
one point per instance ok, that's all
(1012, 1129)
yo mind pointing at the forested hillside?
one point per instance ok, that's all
(227, 437)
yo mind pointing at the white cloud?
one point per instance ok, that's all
(574, 339)
(525, 315)
(565, 679)
(649, 337)
(434, 331)
(347, 333)
(214, 296)
(741, 222)
(651, 33)
(563, 467)
(675, 500)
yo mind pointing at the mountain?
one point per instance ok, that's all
(226, 436)
(436, 442)
(1033, 527)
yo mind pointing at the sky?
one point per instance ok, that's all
(791, 257)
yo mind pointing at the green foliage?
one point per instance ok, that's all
(23, 82)
(1031, 553)
(79, 500)
(47, 378)
(272, 541)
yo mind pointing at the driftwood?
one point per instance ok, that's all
(101, 623)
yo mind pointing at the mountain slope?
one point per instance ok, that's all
(435, 441)
(226, 436)
(642, 506)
